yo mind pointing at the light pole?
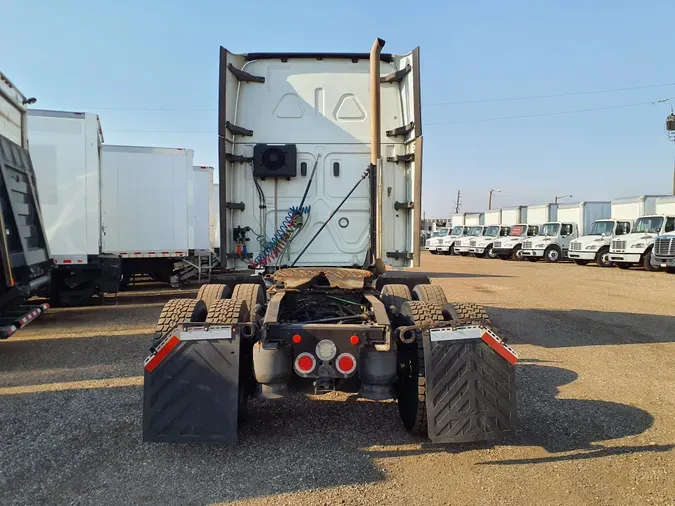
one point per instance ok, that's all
(562, 197)
(490, 198)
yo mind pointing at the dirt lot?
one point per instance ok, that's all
(596, 394)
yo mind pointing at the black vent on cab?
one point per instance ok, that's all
(274, 160)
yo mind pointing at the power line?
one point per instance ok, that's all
(557, 95)
(478, 101)
(478, 120)
(556, 113)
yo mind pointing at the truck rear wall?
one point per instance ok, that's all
(514, 215)
(493, 217)
(665, 205)
(631, 208)
(537, 215)
(146, 199)
(584, 214)
(322, 106)
(203, 191)
(64, 147)
(457, 220)
(473, 219)
(12, 112)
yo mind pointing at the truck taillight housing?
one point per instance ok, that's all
(345, 363)
(305, 363)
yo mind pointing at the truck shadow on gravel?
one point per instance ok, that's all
(457, 275)
(560, 329)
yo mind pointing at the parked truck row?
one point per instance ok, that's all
(631, 231)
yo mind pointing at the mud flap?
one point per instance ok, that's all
(470, 379)
(191, 387)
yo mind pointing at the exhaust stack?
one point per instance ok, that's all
(376, 147)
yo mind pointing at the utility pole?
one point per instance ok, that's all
(458, 202)
(490, 197)
(561, 197)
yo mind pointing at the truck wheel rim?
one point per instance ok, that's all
(519, 254)
(553, 255)
(604, 259)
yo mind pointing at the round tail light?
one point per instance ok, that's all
(305, 363)
(345, 363)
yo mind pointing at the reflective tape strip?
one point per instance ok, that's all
(153, 361)
(494, 342)
(457, 333)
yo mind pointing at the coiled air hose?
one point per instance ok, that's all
(273, 248)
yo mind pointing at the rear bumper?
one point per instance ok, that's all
(581, 255)
(632, 258)
(532, 252)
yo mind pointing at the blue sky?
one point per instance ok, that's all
(121, 58)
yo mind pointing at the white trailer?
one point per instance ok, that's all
(553, 241)
(543, 213)
(636, 248)
(203, 239)
(457, 219)
(594, 245)
(65, 148)
(665, 205)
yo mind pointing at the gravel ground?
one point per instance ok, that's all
(596, 406)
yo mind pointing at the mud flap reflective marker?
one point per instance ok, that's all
(160, 354)
(469, 332)
(506, 352)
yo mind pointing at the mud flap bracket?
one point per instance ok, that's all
(190, 395)
(471, 389)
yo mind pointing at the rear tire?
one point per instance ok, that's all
(432, 294)
(179, 311)
(229, 311)
(581, 262)
(411, 382)
(394, 295)
(212, 293)
(602, 258)
(252, 294)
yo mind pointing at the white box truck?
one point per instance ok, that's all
(663, 253)
(25, 262)
(510, 246)
(574, 219)
(333, 311)
(458, 231)
(66, 152)
(435, 242)
(636, 248)
(595, 244)
(484, 246)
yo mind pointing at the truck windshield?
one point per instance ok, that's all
(550, 229)
(475, 231)
(517, 231)
(492, 232)
(457, 230)
(443, 232)
(602, 227)
(648, 225)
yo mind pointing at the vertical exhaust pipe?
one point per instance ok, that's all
(376, 146)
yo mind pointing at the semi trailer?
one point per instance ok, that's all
(331, 145)
(594, 246)
(24, 252)
(656, 215)
(553, 241)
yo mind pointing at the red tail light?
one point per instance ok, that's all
(345, 363)
(354, 340)
(305, 363)
(297, 338)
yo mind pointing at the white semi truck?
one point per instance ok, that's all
(434, 244)
(663, 252)
(483, 247)
(636, 248)
(458, 230)
(474, 227)
(510, 246)
(594, 246)
(553, 241)
(340, 137)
